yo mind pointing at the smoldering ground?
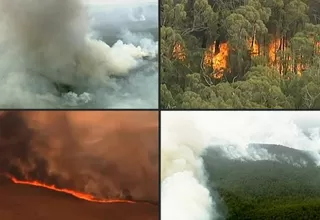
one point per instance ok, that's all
(54, 55)
(106, 154)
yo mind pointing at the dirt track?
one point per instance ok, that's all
(23, 202)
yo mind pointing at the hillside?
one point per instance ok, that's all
(265, 189)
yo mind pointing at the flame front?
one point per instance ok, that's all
(79, 195)
(216, 56)
(217, 59)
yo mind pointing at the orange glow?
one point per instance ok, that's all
(79, 195)
(217, 59)
(217, 75)
(276, 46)
(254, 47)
(273, 49)
(178, 52)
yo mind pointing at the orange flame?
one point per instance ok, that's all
(254, 47)
(79, 195)
(217, 59)
(217, 75)
(276, 46)
(273, 49)
(178, 52)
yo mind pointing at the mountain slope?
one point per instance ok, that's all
(265, 189)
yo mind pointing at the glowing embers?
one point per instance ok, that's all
(79, 195)
(178, 52)
(216, 57)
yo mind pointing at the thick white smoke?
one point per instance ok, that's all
(236, 130)
(43, 42)
(184, 195)
(185, 135)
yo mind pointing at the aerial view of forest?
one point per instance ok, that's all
(264, 189)
(240, 54)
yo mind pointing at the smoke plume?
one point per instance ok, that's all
(43, 42)
(235, 131)
(187, 136)
(184, 194)
(106, 154)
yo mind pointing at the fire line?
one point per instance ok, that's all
(218, 60)
(79, 195)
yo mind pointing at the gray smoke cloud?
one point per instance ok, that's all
(43, 42)
(106, 154)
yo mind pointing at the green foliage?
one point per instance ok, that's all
(248, 81)
(265, 189)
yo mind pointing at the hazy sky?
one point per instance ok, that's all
(112, 150)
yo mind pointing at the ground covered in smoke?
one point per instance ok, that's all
(284, 188)
(67, 54)
(29, 202)
(110, 155)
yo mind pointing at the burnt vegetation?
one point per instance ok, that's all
(240, 54)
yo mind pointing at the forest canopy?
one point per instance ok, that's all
(265, 189)
(240, 54)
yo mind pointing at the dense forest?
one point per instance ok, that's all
(264, 189)
(240, 54)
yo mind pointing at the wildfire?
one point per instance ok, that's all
(278, 45)
(79, 195)
(216, 56)
(273, 49)
(217, 59)
(254, 47)
(178, 52)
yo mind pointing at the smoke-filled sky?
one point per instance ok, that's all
(106, 154)
(186, 135)
(67, 54)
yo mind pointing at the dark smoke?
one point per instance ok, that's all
(106, 154)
